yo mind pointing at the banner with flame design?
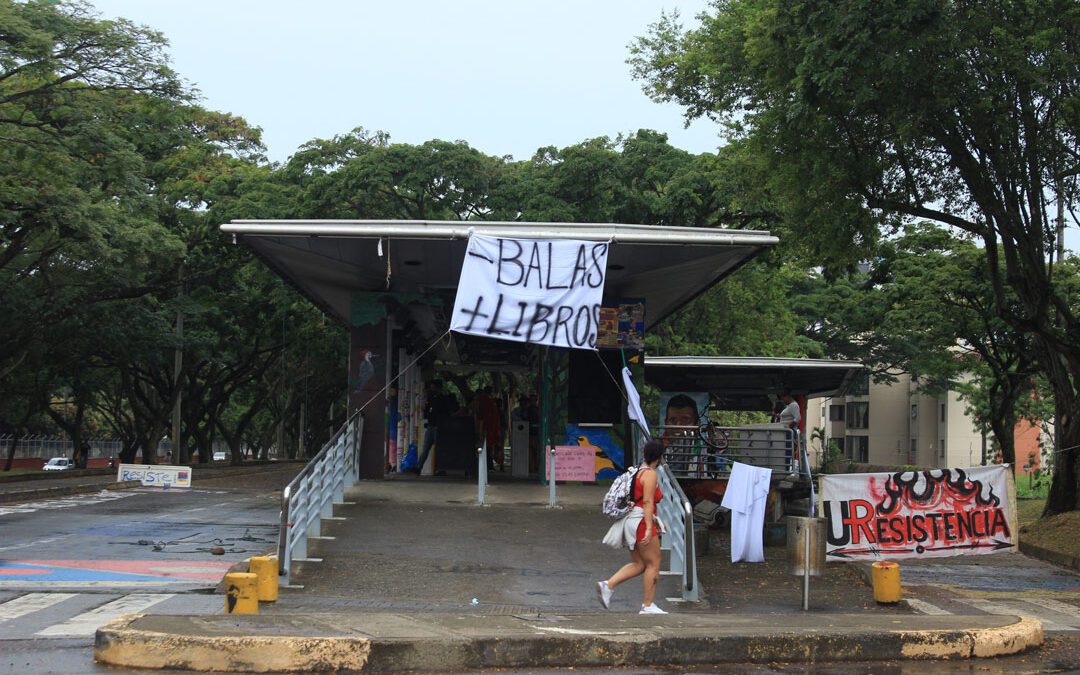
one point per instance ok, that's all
(919, 514)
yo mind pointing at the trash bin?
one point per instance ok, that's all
(799, 529)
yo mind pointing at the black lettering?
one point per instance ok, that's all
(999, 523)
(844, 537)
(897, 525)
(515, 259)
(491, 329)
(949, 520)
(596, 280)
(534, 264)
(596, 322)
(474, 313)
(562, 318)
(880, 526)
(550, 265)
(579, 265)
(521, 317)
(540, 315)
(934, 527)
(919, 532)
(579, 338)
(963, 524)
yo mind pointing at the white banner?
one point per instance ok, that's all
(919, 514)
(544, 291)
(156, 475)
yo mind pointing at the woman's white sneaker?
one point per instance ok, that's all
(605, 594)
(651, 609)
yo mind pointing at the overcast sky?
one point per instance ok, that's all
(506, 76)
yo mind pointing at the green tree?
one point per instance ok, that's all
(965, 113)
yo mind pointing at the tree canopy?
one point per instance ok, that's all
(964, 113)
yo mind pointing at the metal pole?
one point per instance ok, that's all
(551, 478)
(806, 566)
(481, 473)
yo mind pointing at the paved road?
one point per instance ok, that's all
(70, 564)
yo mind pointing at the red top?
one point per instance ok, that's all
(639, 492)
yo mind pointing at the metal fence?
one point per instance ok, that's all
(43, 447)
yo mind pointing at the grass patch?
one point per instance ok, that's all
(1056, 533)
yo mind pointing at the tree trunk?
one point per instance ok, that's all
(1064, 488)
(11, 451)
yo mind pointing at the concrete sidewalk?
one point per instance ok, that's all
(412, 574)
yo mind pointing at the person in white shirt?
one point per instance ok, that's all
(790, 417)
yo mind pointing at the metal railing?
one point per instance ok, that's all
(678, 514)
(311, 496)
(689, 457)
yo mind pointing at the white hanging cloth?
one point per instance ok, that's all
(747, 490)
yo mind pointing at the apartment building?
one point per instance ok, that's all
(895, 425)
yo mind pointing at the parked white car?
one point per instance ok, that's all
(58, 464)
(219, 456)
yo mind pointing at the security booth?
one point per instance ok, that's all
(695, 390)
(406, 295)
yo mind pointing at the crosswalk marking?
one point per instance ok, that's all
(29, 603)
(87, 623)
(926, 607)
(1001, 608)
(1056, 606)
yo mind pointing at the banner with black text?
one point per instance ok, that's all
(543, 291)
(919, 514)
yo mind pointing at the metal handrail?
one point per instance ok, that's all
(689, 457)
(673, 507)
(311, 495)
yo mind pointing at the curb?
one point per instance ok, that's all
(254, 644)
(1063, 559)
(45, 493)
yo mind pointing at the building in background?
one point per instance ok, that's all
(897, 425)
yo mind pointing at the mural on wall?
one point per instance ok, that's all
(919, 514)
(610, 459)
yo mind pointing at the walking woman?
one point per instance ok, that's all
(640, 532)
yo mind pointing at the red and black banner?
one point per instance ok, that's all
(919, 514)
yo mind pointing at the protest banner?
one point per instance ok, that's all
(532, 290)
(155, 475)
(919, 514)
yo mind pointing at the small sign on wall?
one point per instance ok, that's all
(572, 462)
(156, 475)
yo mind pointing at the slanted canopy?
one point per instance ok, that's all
(745, 383)
(415, 265)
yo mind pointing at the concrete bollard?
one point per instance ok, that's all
(266, 569)
(886, 577)
(240, 594)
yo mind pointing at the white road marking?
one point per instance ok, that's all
(926, 607)
(1001, 608)
(1055, 606)
(67, 502)
(87, 623)
(29, 603)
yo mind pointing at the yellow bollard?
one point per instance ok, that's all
(266, 569)
(240, 594)
(886, 576)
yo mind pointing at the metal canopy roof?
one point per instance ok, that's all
(329, 260)
(745, 383)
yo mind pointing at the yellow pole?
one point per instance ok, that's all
(240, 594)
(266, 569)
(886, 577)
